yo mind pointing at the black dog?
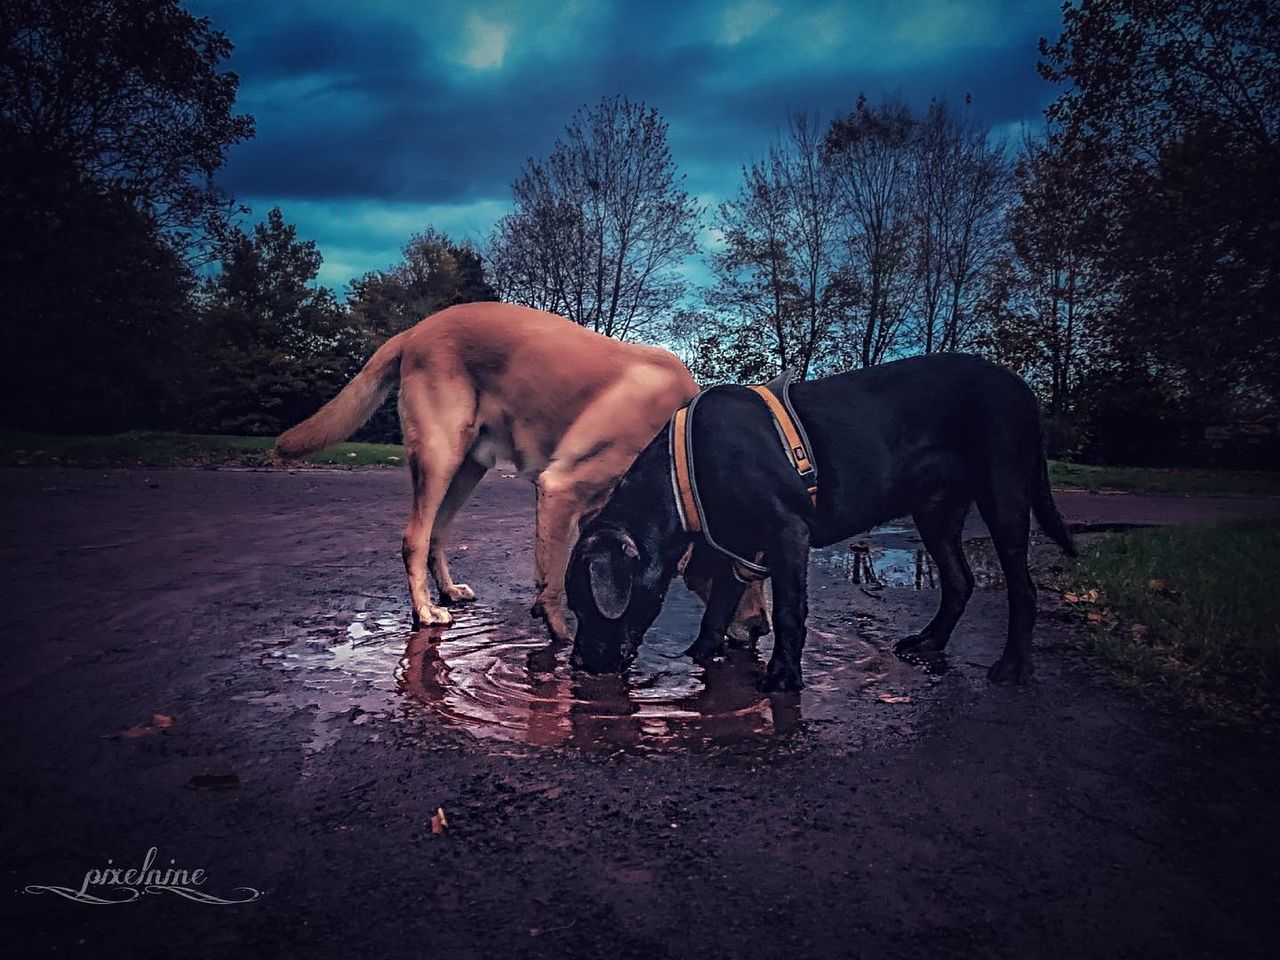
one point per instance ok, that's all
(926, 436)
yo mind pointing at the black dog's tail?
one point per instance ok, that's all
(1046, 510)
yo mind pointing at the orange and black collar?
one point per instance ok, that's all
(684, 479)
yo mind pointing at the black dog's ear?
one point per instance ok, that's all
(611, 566)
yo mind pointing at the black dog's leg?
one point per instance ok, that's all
(1008, 517)
(940, 528)
(789, 568)
(726, 591)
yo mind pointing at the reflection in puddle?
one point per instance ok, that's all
(480, 677)
(891, 556)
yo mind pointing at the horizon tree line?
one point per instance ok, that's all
(1123, 261)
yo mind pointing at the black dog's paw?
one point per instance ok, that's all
(1012, 669)
(704, 649)
(781, 679)
(920, 643)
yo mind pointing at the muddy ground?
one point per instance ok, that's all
(890, 810)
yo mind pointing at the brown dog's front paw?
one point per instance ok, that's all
(779, 678)
(558, 630)
(551, 613)
(1010, 669)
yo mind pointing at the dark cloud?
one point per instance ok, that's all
(375, 103)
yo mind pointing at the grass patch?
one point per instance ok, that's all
(1194, 605)
(151, 448)
(1171, 481)
(158, 449)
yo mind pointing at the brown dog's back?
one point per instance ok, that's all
(503, 350)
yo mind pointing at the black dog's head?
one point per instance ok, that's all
(623, 563)
(616, 593)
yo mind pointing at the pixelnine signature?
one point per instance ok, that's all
(113, 884)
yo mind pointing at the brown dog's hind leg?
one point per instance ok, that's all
(751, 619)
(464, 482)
(430, 482)
(438, 431)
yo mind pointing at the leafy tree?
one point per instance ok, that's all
(1171, 111)
(600, 225)
(435, 273)
(721, 349)
(98, 314)
(114, 116)
(1050, 299)
(275, 346)
(124, 95)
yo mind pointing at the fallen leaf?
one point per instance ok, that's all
(1094, 616)
(1158, 585)
(159, 721)
(890, 698)
(214, 781)
(1071, 597)
(1139, 630)
(439, 822)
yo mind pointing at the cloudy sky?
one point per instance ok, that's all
(378, 118)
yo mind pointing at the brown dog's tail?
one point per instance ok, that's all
(345, 413)
(1046, 510)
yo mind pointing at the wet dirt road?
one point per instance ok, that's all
(891, 810)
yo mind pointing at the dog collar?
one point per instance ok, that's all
(684, 479)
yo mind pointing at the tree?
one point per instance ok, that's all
(721, 349)
(1139, 73)
(783, 267)
(96, 318)
(275, 346)
(124, 95)
(114, 116)
(435, 273)
(1050, 299)
(963, 187)
(600, 225)
(872, 153)
(1173, 109)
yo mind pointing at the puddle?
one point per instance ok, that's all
(494, 675)
(892, 556)
(509, 687)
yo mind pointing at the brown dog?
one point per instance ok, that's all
(481, 381)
